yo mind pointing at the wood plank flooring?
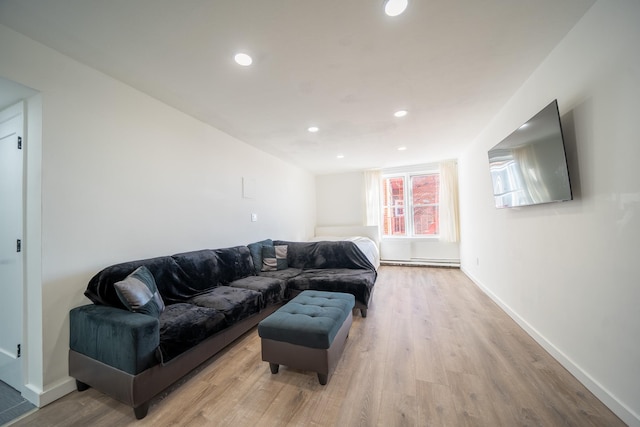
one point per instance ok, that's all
(433, 351)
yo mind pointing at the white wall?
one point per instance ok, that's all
(425, 250)
(569, 273)
(340, 200)
(124, 177)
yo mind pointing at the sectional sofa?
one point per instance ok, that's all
(152, 321)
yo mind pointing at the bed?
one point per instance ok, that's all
(365, 237)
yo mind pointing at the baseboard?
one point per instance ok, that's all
(422, 263)
(620, 409)
(41, 398)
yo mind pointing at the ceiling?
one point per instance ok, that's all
(341, 65)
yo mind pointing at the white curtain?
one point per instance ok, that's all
(372, 197)
(449, 211)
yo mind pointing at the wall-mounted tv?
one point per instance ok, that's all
(529, 166)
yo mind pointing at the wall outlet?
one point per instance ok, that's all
(254, 217)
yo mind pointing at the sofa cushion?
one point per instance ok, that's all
(207, 268)
(272, 289)
(358, 283)
(274, 258)
(256, 253)
(235, 303)
(235, 263)
(200, 270)
(138, 292)
(282, 274)
(182, 326)
(100, 289)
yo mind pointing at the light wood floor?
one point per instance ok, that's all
(433, 351)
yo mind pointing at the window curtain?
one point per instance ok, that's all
(449, 211)
(372, 197)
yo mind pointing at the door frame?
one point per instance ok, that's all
(17, 111)
(33, 364)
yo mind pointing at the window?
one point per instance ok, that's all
(410, 204)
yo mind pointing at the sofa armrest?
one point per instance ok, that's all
(115, 337)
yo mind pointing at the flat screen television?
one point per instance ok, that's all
(529, 167)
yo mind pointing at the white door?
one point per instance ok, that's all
(11, 283)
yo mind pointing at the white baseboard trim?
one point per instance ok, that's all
(422, 262)
(625, 413)
(41, 398)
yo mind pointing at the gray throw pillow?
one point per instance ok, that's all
(274, 258)
(138, 292)
(256, 253)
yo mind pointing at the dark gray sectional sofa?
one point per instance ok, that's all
(152, 321)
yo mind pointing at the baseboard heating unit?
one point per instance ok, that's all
(424, 262)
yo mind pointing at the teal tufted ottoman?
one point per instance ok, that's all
(308, 333)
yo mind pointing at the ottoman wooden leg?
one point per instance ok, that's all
(274, 367)
(322, 378)
(141, 411)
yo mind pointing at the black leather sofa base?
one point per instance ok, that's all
(138, 390)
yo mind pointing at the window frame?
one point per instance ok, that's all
(407, 204)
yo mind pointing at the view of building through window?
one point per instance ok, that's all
(393, 206)
(410, 204)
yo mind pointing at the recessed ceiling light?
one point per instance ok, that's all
(395, 7)
(243, 59)
(400, 113)
(340, 156)
(313, 129)
(402, 148)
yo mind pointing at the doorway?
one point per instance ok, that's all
(11, 242)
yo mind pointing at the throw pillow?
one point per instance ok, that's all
(256, 253)
(274, 258)
(138, 292)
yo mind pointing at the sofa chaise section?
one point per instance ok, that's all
(333, 266)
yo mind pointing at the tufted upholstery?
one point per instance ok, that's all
(312, 319)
